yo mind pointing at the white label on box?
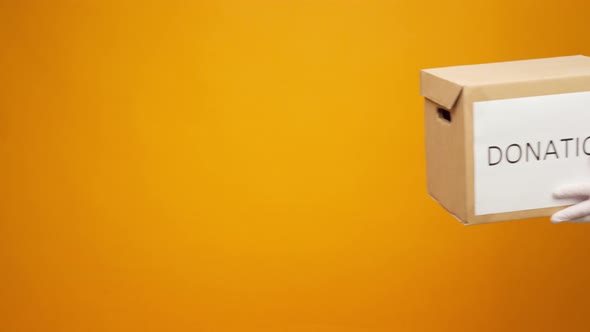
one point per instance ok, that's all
(524, 148)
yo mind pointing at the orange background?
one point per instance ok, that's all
(259, 166)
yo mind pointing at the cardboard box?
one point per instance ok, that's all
(501, 137)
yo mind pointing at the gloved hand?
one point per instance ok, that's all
(579, 212)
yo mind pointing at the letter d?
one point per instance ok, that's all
(490, 163)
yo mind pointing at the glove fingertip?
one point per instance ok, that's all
(566, 191)
(572, 190)
(558, 218)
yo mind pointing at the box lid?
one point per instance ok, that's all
(444, 85)
(439, 90)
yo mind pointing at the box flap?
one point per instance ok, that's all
(439, 90)
(515, 71)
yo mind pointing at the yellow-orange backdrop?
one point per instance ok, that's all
(258, 166)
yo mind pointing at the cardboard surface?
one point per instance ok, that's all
(503, 193)
(514, 71)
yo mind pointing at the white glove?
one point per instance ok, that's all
(579, 212)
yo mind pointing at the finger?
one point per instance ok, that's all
(581, 220)
(573, 190)
(573, 212)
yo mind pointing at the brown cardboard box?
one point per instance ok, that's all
(489, 183)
